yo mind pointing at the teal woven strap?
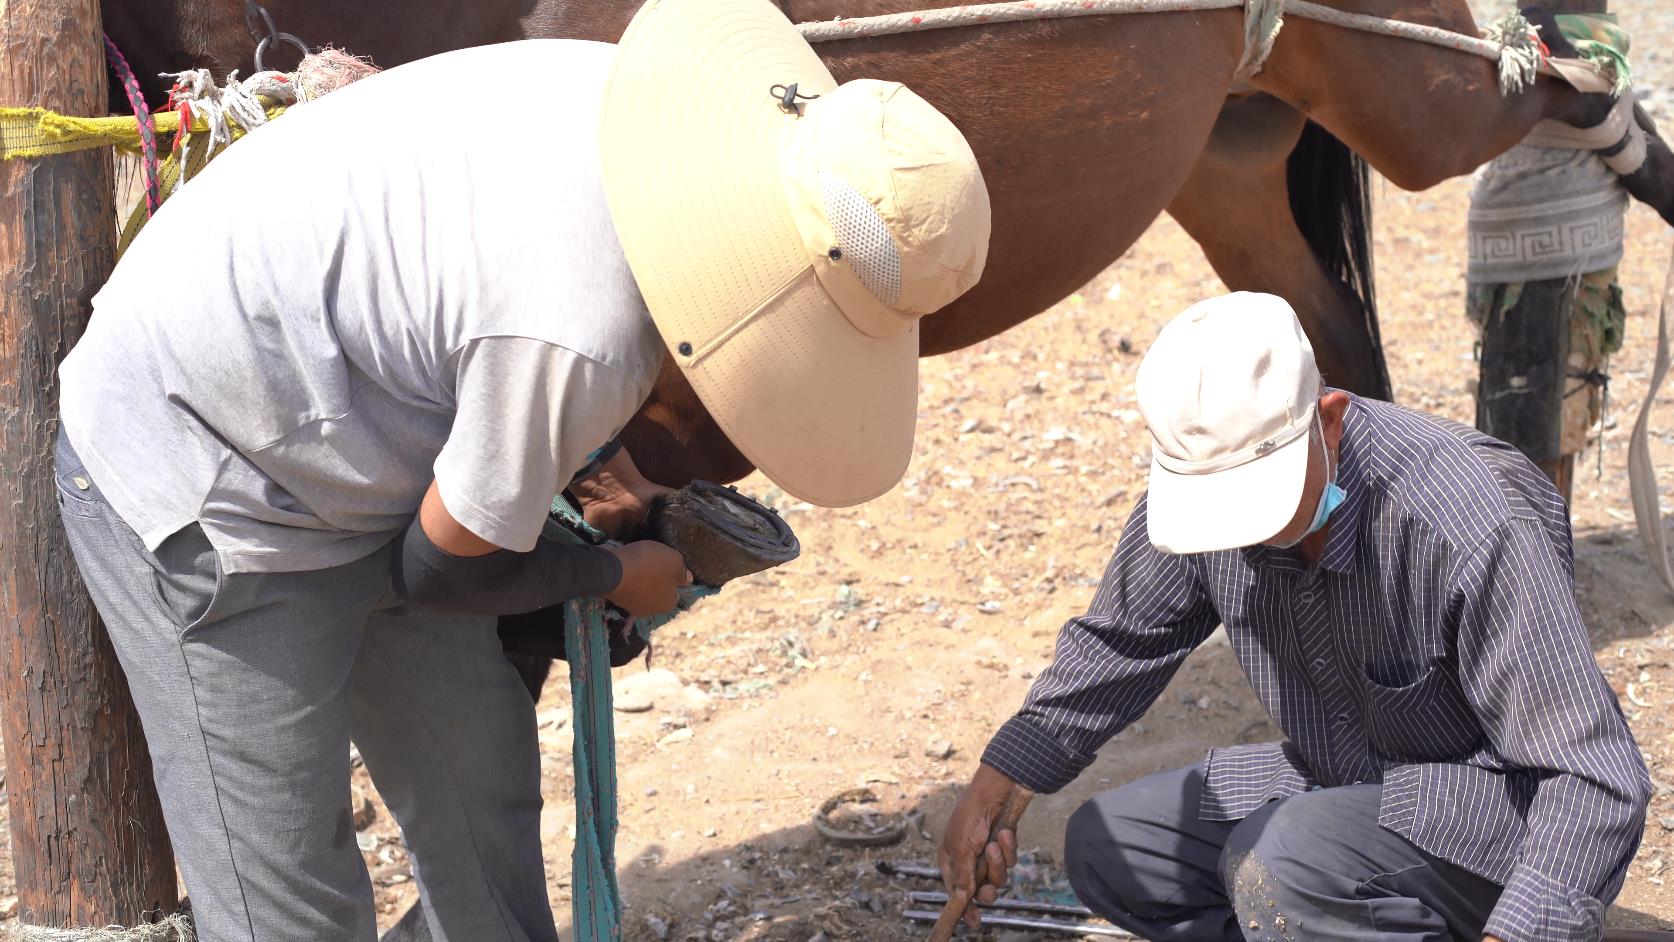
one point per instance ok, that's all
(595, 901)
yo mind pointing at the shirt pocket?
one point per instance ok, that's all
(1427, 720)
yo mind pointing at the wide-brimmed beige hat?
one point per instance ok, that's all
(1230, 392)
(787, 234)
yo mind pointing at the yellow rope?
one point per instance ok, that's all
(37, 132)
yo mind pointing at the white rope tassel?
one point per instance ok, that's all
(1519, 55)
(222, 107)
(1262, 21)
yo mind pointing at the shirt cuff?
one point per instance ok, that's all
(1029, 756)
(1537, 908)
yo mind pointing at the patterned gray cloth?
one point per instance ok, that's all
(1436, 649)
(1543, 212)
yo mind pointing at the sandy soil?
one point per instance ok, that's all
(912, 626)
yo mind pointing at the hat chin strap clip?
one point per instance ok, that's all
(788, 97)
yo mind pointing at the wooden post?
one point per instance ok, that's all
(88, 841)
(1525, 357)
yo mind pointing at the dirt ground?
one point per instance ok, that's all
(911, 627)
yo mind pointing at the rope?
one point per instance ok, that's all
(595, 899)
(176, 928)
(983, 14)
(1262, 21)
(1642, 474)
(1515, 50)
(228, 111)
(142, 114)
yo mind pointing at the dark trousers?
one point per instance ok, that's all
(1315, 866)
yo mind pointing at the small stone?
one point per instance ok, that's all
(364, 811)
(634, 701)
(990, 607)
(678, 736)
(938, 749)
(658, 927)
(8, 907)
(710, 832)
(366, 842)
(651, 792)
(1667, 822)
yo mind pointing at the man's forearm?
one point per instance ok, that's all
(502, 582)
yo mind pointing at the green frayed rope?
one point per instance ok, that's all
(1602, 41)
(595, 900)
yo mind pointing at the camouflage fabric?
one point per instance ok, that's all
(1596, 325)
(1597, 36)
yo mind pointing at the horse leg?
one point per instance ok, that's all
(1419, 113)
(1651, 182)
(1236, 204)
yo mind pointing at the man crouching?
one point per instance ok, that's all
(1399, 590)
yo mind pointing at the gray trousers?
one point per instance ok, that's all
(250, 687)
(1315, 866)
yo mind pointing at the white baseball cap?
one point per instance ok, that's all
(787, 233)
(1229, 391)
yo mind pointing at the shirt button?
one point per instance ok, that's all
(1307, 596)
(1341, 721)
(1319, 664)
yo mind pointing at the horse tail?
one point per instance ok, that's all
(1331, 200)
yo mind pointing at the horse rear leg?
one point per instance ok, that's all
(1237, 205)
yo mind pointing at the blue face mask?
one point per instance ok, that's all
(1329, 501)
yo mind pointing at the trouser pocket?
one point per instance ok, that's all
(189, 577)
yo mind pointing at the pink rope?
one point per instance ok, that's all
(147, 126)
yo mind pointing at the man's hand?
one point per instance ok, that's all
(617, 497)
(652, 576)
(1489, 938)
(973, 867)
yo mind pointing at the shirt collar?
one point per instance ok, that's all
(1343, 540)
(1342, 543)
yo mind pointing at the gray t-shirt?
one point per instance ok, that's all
(413, 277)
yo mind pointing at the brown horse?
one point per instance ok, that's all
(1086, 130)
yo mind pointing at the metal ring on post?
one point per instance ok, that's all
(266, 43)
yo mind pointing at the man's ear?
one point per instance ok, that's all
(1333, 406)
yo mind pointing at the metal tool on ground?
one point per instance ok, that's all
(906, 869)
(1015, 804)
(995, 920)
(1010, 905)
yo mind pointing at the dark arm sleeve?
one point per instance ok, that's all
(502, 582)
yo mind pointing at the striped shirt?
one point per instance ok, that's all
(1435, 648)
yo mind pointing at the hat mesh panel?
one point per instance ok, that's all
(864, 238)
